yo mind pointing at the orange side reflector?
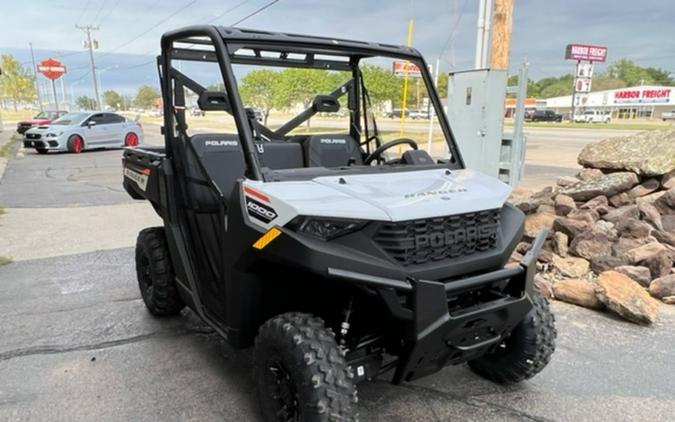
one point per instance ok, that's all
(267, 238)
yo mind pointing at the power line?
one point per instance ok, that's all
(255, 12)
(149, 29)
(454, 29)
(84, 10)
(100, 9)
(231, 9)
(109, 12)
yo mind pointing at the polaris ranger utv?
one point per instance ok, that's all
(336, 254)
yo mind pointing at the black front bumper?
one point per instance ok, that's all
(437, 335)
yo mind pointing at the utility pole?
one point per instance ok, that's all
(91, 45)
(502, 24)
(37, 85)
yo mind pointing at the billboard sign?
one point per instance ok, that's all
(591, 53)
(413, 70)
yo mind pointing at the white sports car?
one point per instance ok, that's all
(75, 132)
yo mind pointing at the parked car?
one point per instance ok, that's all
(668, 115)
(419, 114)
(396, 113)
(543, 116)
(42, 118)
(196, 111)
(75, 132)
(593, 116)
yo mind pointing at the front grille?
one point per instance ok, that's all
(33, 136)
(417, 242)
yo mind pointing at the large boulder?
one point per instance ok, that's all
(602, 263)
(590, 244)
(666, 203)
(578, 292)
(650, 153)
(644, 252)
(538, 221)
(668, 180)
(637, 273)
(564, 204)
(626, 298)
(598, 204)
(607, 185)
(570, 226)
(632, 227)
(618, 214)
(644, 188)
(661, 287)
(570, 266)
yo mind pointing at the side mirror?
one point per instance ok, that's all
(91, 123)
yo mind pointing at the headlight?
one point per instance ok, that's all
(325, 228)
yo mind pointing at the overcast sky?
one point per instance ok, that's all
(130, 30)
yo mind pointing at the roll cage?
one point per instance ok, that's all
(227, 46)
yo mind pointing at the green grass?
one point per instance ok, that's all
(4, 260)
(2, 211)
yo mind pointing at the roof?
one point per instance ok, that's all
(296, 42)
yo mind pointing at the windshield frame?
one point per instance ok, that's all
(219, 44)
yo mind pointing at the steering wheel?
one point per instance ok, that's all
(378, 152)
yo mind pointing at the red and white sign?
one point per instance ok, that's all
(400, 69)
(591, 53)
(51, 68)
(582, 85)
(643, 96)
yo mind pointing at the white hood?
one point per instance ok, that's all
(386, 197)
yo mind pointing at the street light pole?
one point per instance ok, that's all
(100, 82)
(37, 85)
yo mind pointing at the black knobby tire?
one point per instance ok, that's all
(41, 150)
(525, 352)
(155, 275)
(301, 373)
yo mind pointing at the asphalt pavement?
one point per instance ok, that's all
(78, 344)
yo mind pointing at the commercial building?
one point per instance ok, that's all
(646, 101)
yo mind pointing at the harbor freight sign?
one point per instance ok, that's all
(400, 69)
(643, 96)
(584, 52)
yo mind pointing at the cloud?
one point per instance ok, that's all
(541, 29)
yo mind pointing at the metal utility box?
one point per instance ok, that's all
(476, 112)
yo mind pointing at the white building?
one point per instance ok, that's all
(646, 101)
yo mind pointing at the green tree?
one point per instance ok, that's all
(633, 74)
(86, 103)
(16, 82)
(113, 99)
(382, 84)
(146, 97)
(260, 89)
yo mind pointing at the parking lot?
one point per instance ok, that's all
(78, 344)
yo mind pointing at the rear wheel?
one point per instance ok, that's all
(75, 144)
(41, 150)
(525, 352)
(155, 274)
(301, 373)
(131, 140)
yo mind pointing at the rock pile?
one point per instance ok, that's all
(612, 228)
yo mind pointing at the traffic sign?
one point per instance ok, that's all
(51, 68)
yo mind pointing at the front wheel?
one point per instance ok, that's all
(301, 373)
(75, 144)
(525, 352)
(155, 275)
